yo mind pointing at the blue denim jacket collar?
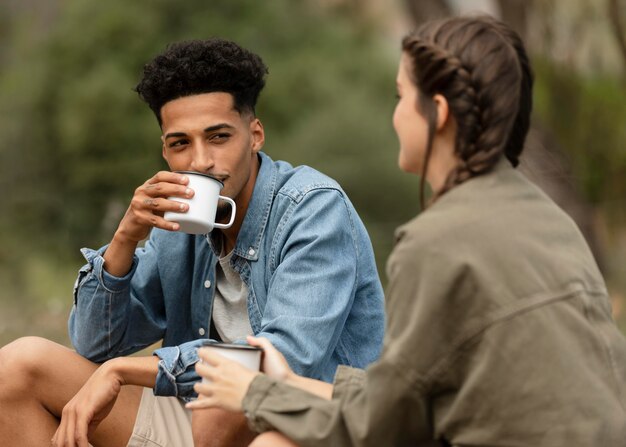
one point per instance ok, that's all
(257, 215)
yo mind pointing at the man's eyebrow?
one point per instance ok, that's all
(206, 130)
(175, 134)
(218, 127)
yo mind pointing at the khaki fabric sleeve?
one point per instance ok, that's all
(371, 414)
(347, 378)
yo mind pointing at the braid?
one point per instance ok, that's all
(480, 67)
(515, 145)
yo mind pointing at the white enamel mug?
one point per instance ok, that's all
(200, 217)
(248, 356)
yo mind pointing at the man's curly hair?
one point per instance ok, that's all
(203, 66)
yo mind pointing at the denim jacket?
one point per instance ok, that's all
(304, 255)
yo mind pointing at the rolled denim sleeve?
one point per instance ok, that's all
(177, 372)
(108, 318)
(94, 269)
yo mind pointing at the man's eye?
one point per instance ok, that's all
(219, 137)
(177, 143)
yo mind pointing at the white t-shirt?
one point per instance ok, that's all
(230, 304)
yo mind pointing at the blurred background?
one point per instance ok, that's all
(76, 140)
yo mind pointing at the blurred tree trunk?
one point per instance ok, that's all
(515, 13)
(543, 160)
(423, 10)
(616, 13)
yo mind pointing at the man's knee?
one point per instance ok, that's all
(261, 441)
(21, 362)
(272, 439)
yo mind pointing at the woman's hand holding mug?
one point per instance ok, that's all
(227, 381)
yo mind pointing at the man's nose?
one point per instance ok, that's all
(202, 159)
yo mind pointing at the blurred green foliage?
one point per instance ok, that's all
(78, 141)
(588, 114)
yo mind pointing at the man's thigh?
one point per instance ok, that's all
(217, 427)
(52, 374)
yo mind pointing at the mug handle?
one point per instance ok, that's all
(232, 214)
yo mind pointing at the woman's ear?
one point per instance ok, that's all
(443, 113)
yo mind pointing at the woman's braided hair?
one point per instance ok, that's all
(480, 66)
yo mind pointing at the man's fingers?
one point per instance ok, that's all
(156, 221)
(165, 184)
(65, 433)
(151, 201)
(70, 433)
(82, 428)
(162, 205)
(164, 190)
(58, 439)
(169, 177)
(158, 205)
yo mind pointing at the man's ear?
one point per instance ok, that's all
(258, 135)
(443, 112)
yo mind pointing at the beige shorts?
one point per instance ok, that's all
(161, 422)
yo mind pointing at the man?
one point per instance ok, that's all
(296, 267)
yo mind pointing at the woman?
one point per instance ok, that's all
(499, 324)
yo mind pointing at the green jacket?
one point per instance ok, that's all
(499, 333)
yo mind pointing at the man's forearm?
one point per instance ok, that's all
(118, 258)
(141, 371)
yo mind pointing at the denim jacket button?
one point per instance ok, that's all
(201, 331)
(251, 252)
(207, 284)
